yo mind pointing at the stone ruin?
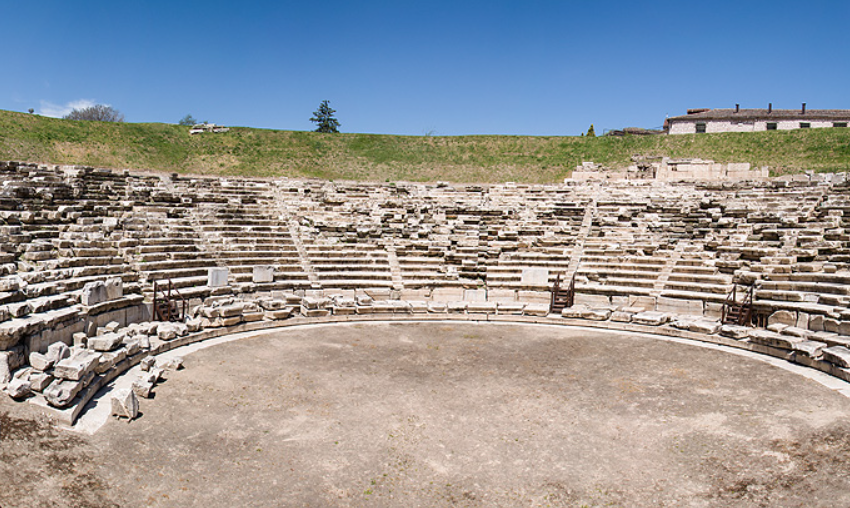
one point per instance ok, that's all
(665, 169)
(81, 249)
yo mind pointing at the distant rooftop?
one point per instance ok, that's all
(762, 114)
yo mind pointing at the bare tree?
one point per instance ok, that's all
(96, 113)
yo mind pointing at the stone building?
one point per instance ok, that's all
(750, 120)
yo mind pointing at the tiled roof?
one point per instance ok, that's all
(762, 114)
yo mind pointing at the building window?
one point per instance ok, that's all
(805, 125)
(700, 127)
(839, 124)
(771, 126)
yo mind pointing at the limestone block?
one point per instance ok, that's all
(262, 274)
(152, 376)
(534, 277)
(231, 321)
(211, 312)
(501, 295)
(784, 317)
(40, 380)
(193, 325)
(459, 307)
(802, 320)
(107, 361)
(535, 309)
(418, 306)
(812, 348)
(837, 355)
(510, 307)
(114, 288)
(380, 306)
(481, 307)
(77, 365)
(437, 307)
(621, 316)
(447, 294)
(235, 309)
(255, 316)
(592, 300)
(217, 277)
(105, 342)
(125, 404)
(575, 312)
(40, 362)
(142, 388)
(400, 306)
(19, 309)
(475, 295)
(364, 300)
(831, 325)
(249, 307)
(278, 314)
(9, 362)
(311, 303)
(679, 307)
(773, 339)
(175, 363)
(58, 351)
(777, 327)
(651, 318)
(93, 293)
(365, 309)
(147, 363)
(306, 312)
(343, 311)
(112, 326)
(144, 342)
(61, 392)
(797, 332)
(816, 323)
(275, 304)
(597, 314)
(130, 346)
(19, 388)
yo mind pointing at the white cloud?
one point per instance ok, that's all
(58, 111)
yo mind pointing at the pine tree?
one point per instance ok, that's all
(590, 132)
(324, 118)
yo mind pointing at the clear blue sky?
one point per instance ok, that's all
(440, 67)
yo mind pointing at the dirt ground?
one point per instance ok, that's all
(448, 415)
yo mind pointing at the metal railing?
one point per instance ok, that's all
(170, 306)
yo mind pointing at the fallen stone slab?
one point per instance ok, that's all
(307, 312)
(40, 362)
(278, 314)
(175, 363)
(734, 331)
(812, 348)
(837, 355)
(344, 311)
(147, 363)
(651, 318)
(797, 332)
(125, 404)
(40, 380)
(773, 339)
(105, 342)
(365, 309)
(112, 326)
(438, 307)
(19, 388)
(76, 367)
(142, 388)
(534, 309)
(61, 392)
(58, 351)
(250, 317)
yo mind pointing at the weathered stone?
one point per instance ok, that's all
(175, 363)
(481, 308)
(112, 326)
(142, 388)
(61, 392)
(114, 288)
(193, 325)
(235, 320)
(217, 277)
(93, 293)
(457, 307)
(418, 306)
(263, 274)
(277, 304)
(812, 348)
(125, 404)
(9, 362)
(773, 339)
(40, 380)
(797, 332)
(40, 362)
(534, 277)
(19, 388)
(837, 355)
(651, 318)
(258, 316)
(278, 314)
(535, 309)
(734, 331)
(816, 323)
(437, 307)
(77, 366)
(621, 316)
(105, 342)
(784, 317)
(231, 310)
(58, 351)
(19, 309)
(147, 363)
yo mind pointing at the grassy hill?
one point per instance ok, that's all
(262, 152)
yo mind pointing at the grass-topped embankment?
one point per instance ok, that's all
(261, 152)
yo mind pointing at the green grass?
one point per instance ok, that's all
(261, 152)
